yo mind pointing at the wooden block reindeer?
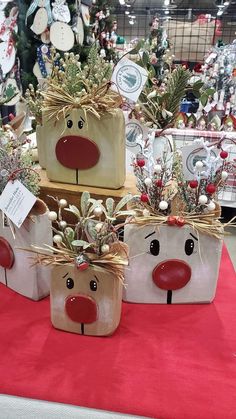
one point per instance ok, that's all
(16, 270)
(175, 239)
(87, 268)
(84, 123)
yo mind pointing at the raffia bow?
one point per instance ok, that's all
(201, 223)
(112, 262)
(58, 102)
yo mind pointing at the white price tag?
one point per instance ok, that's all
(16, 201)
(129, 79)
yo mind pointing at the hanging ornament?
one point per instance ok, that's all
(7, 56)
(62, 36)
(45, 37)
(60, 11)
(43, 16)
(11, 92)
(9, 25)
(79, 31)
(85, 14)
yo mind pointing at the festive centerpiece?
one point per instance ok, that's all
(85, 128)
(15, 267)
(87, 264)
(175, 240)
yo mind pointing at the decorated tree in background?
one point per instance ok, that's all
(159, 49)
(60, 24)
(104, 28)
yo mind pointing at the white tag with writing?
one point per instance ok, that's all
(16, 201)
(129, 79)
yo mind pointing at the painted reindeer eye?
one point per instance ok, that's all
(80, 124)
(189, 247)
(69, 123)
(93, 285)
(155, 247)
(70, 283)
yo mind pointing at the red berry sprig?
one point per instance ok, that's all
(144, 197)
(210, 188)
(140, 162)
(193, 184)
(224, 154)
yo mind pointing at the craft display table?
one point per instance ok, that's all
(72, 193)
(164, 361)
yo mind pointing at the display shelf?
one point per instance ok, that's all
(72, 193)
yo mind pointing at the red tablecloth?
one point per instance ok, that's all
(169, 362)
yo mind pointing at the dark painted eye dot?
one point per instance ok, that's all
(189, 247)
(69, 123)
(155, 247)
(80, 124)
(93, 285)
(70, 283)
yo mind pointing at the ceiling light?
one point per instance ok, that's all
(131, 22)
(226, 3)
(122, 2)
(132, 16)
(127, 12)
(220, 12)
(167, 12)
(166, 2)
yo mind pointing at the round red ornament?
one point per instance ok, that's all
(144, 197)
(140, 162)
(210, 188)
(224, 154)
(193, 184)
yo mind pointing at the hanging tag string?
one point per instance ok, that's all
(13, 175)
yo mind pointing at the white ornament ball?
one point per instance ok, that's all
(57, 239)
(63, 203)
(211, 206)
(63, 224)
(148, 181)
(202, 199)
(157, 168)
(199, 164)
(97, 211)
(224, 175)
(163, 205)
(105, 248)
(52, 215)
(98, 227)
(146, 213)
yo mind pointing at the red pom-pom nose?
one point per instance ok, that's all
(171, 274)
(6, 254)
(77, 152)
(81, 309)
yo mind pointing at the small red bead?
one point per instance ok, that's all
(141, 162)
(210, 188)
(193, 184)
(224, 154)
(171, 220)
(144, 197)
(83, 266)
(159, 183)
(180, 221)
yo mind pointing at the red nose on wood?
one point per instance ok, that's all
(77, 152)
(171, 274)
(81, 309)
(6, 254)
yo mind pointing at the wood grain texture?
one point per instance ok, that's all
(72, 193)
